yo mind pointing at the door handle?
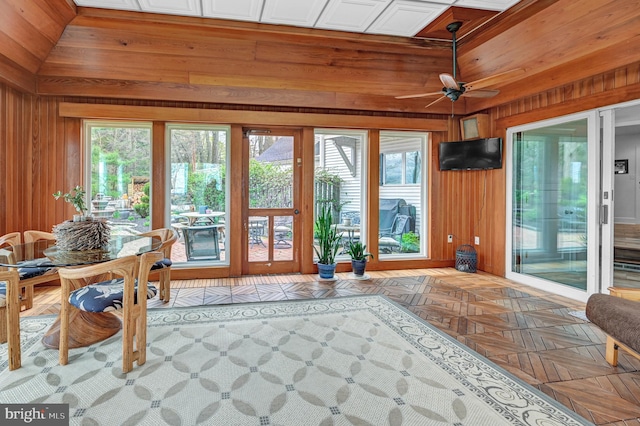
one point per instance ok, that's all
(604, 214)
(296, 211)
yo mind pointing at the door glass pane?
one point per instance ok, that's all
(283, 237)
(550, 192)
(260, 233)
(198, 189)
(401, 214)
(271, 186)
(120, 175)
(270, 172)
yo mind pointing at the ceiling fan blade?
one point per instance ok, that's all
(437, 100)
(449, 82)
(493, 79)
(481, 93)
(419, 95)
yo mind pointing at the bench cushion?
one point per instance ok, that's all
(618, 317)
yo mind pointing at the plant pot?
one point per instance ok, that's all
(326, 271)
(81, 218)
(358, 267)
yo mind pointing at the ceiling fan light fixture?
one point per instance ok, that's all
(454, 89)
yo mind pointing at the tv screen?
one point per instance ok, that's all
(475, 154)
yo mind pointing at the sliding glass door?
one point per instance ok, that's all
(553, 205)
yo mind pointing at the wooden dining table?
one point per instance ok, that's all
(85, 328)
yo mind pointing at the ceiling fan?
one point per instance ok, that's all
(454, 89)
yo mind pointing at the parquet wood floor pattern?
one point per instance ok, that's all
(526, 331)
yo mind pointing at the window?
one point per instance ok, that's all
(340, 179)
(393, 169)
(198, 190)
(412, 167)
(402, 205)
(401, 168)
(120, 174)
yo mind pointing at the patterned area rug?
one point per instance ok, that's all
(354, 360)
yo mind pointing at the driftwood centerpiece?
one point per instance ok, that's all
(86, 235)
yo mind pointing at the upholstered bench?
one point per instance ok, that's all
(619, 318)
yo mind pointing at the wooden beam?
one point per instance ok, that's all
(193, 115)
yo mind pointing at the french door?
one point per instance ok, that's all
(271, 201)
(554, 205)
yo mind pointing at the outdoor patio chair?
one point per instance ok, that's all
(201, 242)
(282, 236)
(389, 242)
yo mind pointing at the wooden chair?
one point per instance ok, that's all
(124, 293)
(163, 266)
(8, 244)
(11, 251)
(10, 315)
(38, 275)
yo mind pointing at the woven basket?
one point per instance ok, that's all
(466, 258)
(88, 235)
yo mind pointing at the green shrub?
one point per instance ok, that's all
(410, 242)
(142, 208)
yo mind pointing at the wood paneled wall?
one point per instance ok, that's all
(41, 153)
(100, 59)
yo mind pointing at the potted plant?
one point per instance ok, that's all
(328, 243)
(75, 197)
(359, 255)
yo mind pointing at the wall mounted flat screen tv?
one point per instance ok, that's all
(475, 154)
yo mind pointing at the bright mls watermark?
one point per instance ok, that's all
(34, 414)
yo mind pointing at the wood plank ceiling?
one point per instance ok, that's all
(102, 53)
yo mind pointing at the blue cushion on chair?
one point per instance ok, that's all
(30, 272)
(33, 268)
(3, 293)
(104, 296)
(161, 264)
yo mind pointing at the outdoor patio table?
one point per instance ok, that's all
(349, 229)
(211, 217)
(256, 229)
